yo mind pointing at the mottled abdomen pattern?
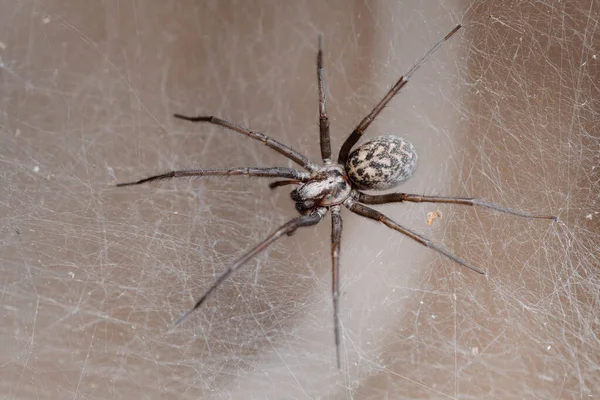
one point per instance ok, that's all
(382, 163)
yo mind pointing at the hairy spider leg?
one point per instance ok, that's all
(336, 238)
(416, 198)
(281, 148)
(286, 229)
(269, 172)
(364, 124)
(323, 117)
(377, 216)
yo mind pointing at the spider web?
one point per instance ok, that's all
(92, 276)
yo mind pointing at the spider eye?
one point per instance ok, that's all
(382, 163)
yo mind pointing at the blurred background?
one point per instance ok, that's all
(93, 276)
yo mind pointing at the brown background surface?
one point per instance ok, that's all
(92, 277)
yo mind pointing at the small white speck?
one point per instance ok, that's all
(175, 212)
(111, 172)
(589, 216)
(72, 274)
(594, 57)
(17, 133)
(36, 169)
(46, 20)
(475, 350)
(2, 46)
(433, 316)
(549, 348)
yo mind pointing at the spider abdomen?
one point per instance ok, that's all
(382, 163)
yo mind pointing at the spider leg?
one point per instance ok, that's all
(377, 216)
(269, 172)
(336, 237)
(416, 198)
(364, 124)
(269, 142)
(285, 229)
(323, 118)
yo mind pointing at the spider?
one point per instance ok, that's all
(378, 164)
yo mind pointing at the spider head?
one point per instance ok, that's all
(327, 186)
(381, 163)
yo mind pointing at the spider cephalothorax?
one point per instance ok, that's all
(378, 164)
(327, 186)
